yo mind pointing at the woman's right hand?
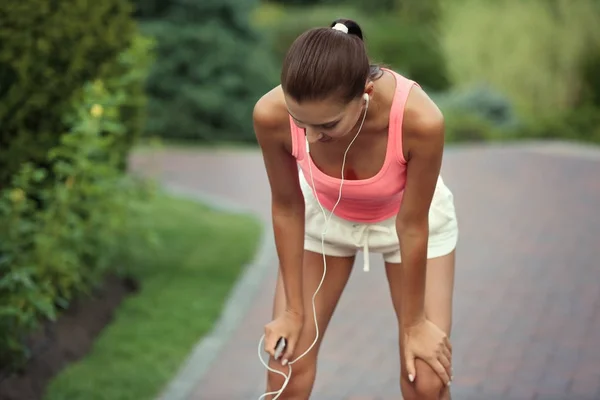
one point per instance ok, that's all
(288, 326)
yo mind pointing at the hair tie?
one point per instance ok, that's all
(340, 27)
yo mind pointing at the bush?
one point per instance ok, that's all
(591, 77)
(416, 10)
(582, 124)
(476, 114)
(533, 51)
(126, 79)
(300, 2)
(211, 68)
(464, 126)
(405, 45)
(480, 101)
(48, 50)
(410, 48)
(63, 221)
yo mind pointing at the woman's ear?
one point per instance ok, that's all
(369, 87)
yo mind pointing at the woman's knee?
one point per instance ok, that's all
(301, 382)
(426, 386)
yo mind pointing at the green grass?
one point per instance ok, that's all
(185, 282)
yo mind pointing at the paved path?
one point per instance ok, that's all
(527, 303)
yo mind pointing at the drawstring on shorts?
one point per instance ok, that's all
(362, 240)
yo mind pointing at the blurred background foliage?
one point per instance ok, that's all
(211, 66)
(501, 70)
(82, 82)
(72, 105)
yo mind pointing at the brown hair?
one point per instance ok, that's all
(323, 62)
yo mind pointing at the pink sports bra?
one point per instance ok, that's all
(366, 200)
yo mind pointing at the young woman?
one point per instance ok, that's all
(353, 154)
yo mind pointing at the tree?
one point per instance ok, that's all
(211, 67)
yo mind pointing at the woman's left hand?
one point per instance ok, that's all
(426, 341)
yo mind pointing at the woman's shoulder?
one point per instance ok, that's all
(421, 113)
(270, 112)
(271, 121)
(418, 110)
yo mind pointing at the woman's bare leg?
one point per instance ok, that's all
(304, 370)
(439, 289)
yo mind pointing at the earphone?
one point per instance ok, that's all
(281, 342)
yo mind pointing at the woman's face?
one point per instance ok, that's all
(326, 120)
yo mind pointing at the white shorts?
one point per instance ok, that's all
(344, 238)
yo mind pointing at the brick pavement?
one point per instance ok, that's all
(527, 302)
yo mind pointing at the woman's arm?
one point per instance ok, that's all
(423, 144)
(271, 126)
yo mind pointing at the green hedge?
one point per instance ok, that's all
(48, 49)
(50, 254)
(72, 75)
(126, 79)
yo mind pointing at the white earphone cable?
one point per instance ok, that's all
(327, 219)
